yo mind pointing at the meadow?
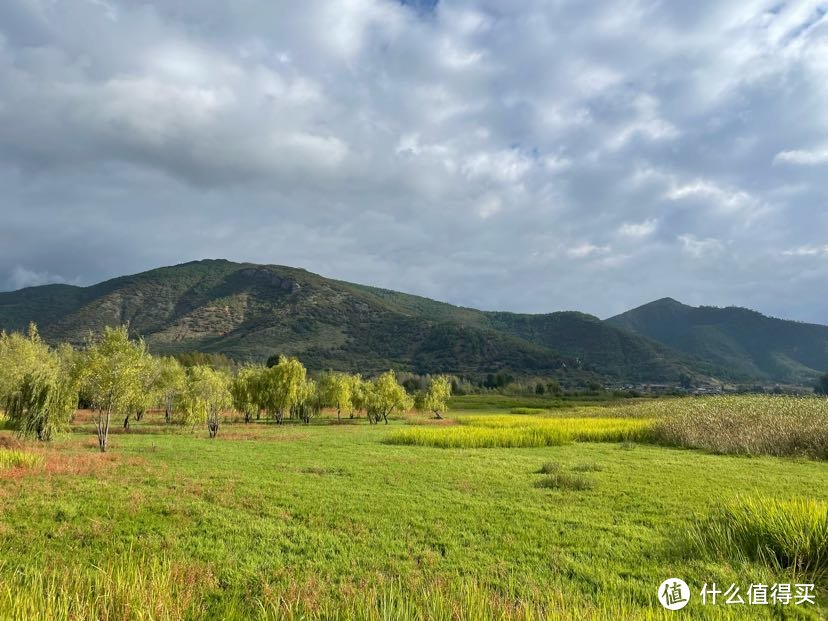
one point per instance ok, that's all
(574, 512)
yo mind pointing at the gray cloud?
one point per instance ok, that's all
(530, 155)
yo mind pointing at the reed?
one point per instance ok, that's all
(783, 534)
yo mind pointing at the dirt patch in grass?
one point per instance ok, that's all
(325, 470)
(9, 441)
(437, 422)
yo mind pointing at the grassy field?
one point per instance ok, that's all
(336, 521)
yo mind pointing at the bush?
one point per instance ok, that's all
(565, 480)
(549, 467)
(783, 534)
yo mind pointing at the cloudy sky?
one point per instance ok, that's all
(529, 155)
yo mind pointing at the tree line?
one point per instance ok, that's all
(117, 378)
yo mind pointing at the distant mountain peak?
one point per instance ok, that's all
(741, 344)
(666, 302)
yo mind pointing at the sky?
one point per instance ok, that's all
(530, 155)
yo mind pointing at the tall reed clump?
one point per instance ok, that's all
(783, 534)
(763, 425)
(131, 588)
(478, 437)
(522, 431)
(440, 599)
(146, 589)
(11, 458)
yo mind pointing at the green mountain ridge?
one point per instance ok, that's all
(743, 344)
(250, 312)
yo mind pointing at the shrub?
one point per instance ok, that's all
(784, 534)
(549, 468)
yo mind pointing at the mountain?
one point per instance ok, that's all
(250, 312)
(742, 344)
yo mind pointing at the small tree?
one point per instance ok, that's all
(244, 390)
(435, 398)
(280, 386)
(384, 397)
(359, 394)
(336, 390)
(112, 377)
(172, 380)
(309, 401)
(150, 393)
(46, 398)
(821, 387)
(20, 355)
(207, 394)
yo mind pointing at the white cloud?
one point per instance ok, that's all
(507, 167)
(21, 277)
(807, 251)
(585, 250)
(638, 230)
(802, 158)
(705, 190)
(700, 248)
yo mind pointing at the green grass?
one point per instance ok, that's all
(332, 522)
(530, 411)
(784, 534)
(590, 466)
(530, 404)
